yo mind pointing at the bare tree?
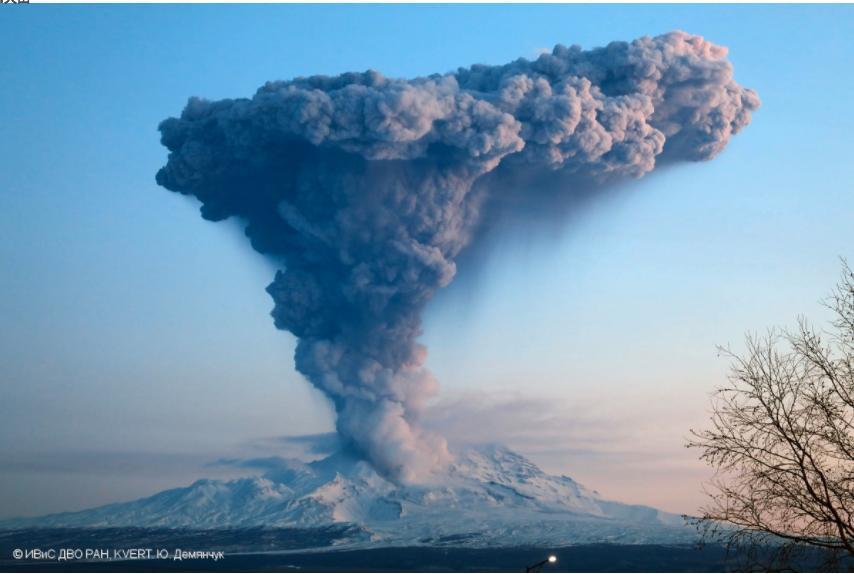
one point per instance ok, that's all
(782, 443)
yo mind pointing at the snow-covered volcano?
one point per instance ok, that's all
(489, 496)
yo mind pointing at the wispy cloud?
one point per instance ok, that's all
(610, 444)
(304, 447)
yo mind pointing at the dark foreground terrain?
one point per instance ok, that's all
(263, 550)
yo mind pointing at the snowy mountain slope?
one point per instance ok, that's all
(490, 496)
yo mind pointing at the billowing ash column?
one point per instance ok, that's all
(362, 185)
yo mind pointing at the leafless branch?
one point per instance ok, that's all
(781, 439)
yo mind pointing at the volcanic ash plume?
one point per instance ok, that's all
(362, 186)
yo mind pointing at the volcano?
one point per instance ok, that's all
(490, 496)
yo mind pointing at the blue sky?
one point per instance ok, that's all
(135, 342)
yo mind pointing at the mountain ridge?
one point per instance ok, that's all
(489, 496)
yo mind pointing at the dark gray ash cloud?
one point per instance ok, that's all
(362, 186)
